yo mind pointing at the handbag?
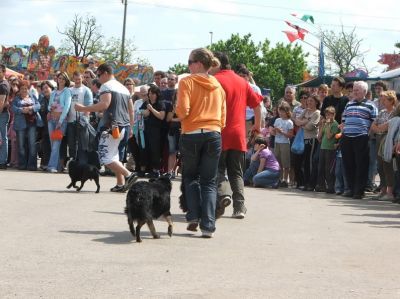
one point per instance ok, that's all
(298, 142)
(57, 134)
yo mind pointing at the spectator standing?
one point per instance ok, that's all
(380, 127)
(26, 120)
(201, 109)
(59, 104)
(83, 95)
(336, 99)
(283, 131)
(309, 121)
(357, 117)
(4, 116)
(154, 113)
(239, 95)
(45, 145)
(326, 163)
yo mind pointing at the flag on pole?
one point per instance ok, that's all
(292, 36)
(304, 18)
(321, 60)
(300, 31)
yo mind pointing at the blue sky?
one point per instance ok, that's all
(165, 31)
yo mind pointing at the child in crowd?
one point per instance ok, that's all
(283, 131)
(326, 174)
(264, 168)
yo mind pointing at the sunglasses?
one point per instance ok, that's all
(127, 84)
(191, 61)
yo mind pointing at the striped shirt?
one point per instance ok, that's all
(358, 117)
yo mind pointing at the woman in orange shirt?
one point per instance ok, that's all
(201, 109)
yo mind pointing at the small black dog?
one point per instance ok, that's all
(146, 201)
(81, 173)
(219, 208)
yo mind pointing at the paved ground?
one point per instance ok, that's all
(56, 243)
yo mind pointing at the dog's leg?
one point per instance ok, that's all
(138, 227)
(168, 217)
(153, 229)
(131, 226)
(74, 184)
(96, 180)
(82, 183)
(70, 185)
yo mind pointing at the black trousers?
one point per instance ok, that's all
(355, 152)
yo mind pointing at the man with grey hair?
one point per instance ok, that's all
(290, 97)
(357, 119)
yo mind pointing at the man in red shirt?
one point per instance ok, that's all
(239, 94)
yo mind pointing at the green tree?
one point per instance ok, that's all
(343, 51)
(179, 68)
(272, 67)
(111, 50)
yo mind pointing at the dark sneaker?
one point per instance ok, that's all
(3, 166)
(130, 180)
(283, 184)
(192, 226)
(153, 175)
(222, 203)
(119, 189)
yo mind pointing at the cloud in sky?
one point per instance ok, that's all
(155, 24)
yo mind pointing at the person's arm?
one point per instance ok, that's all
(262, 165)
(15, 108)
(159, 114)
(66, 95)
(3, 95)
(102, 105)
(257, 119)
(131, 112)
(170, 116)
(313, 122)
(254, 156)
(183, 103)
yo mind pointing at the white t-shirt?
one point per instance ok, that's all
(285, 125)
(77, 96)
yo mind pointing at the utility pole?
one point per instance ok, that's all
(125, 2)
(211, 36)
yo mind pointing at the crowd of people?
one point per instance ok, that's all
(213, 126)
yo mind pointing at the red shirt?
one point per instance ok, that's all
(239, 94)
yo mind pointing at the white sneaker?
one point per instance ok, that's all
(206, 234)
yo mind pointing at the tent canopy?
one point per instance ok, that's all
(10, 72)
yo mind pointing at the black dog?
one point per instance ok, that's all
(219, 208)
(146, 201)
(81, 173)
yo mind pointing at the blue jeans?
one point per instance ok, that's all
(266, 178)
(4, 119)
(340, 181)
(55, 145)
(200, 156)
(27, 161)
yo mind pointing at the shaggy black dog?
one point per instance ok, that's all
(146, 201)
(219, 209)
(81, 173)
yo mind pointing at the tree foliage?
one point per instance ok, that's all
(179, 68)
(111, 50)
(343, 51)
(272, 67)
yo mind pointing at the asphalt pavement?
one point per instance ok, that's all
(58, 243)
